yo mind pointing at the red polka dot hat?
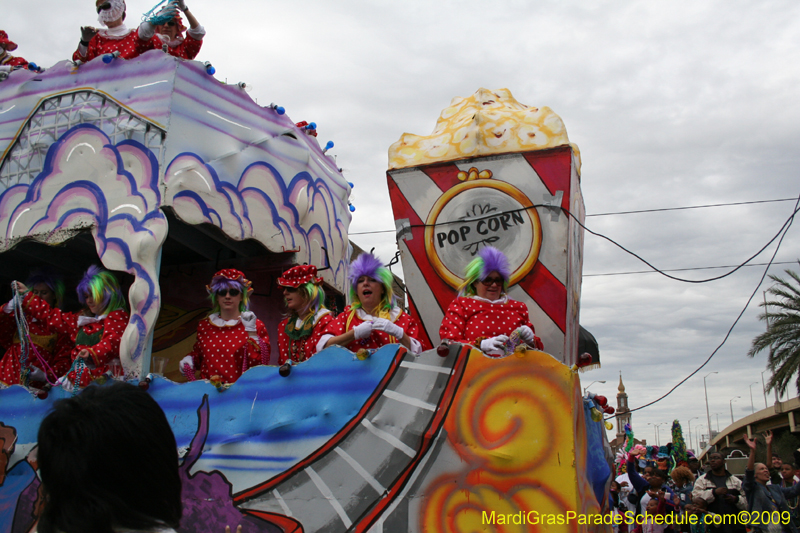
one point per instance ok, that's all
(299, 275)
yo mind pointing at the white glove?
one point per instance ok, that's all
(389, 327)
(65, 384)
(494, 344)
(187, 361)
(249, 320)
(363, 330)
(146, 31)
(526, 334)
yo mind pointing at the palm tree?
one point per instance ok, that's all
(782, 337)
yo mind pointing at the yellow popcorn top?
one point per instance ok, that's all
(488, 122)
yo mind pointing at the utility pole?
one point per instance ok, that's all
(708, 414)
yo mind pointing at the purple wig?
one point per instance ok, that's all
(220, 283)
(370, 266)
(489, 260)
(494, 260)
(365, 265)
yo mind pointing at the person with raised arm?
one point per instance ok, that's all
(52, 358)
(97, 337)
(231, 339)
(483, 315)
(654, 487)
(372, 319)
(118, 37)
(762, 497)
(300, 332)
(171, 31)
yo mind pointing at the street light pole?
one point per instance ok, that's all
(731, 404)
(589, 385)
(690, 432)
(658, 442)
(766, 316)
(752, 407)
(708, 414)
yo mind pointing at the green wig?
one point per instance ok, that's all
(489, 260)
(315, 296)
(103, 287)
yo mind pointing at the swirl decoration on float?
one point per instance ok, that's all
(503, 414)
(513, 428)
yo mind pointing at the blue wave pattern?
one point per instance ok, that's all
(262, 425)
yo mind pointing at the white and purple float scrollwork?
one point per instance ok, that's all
(106, 147)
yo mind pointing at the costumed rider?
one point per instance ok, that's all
(171, 31)
(7, 61)
(118, 37)
(372, 319)
(231, 339)
(299, 333)
(483, 315)
(50, 352)
(97, 337)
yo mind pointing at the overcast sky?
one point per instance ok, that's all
(672, 104)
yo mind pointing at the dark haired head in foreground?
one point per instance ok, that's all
(108, 460)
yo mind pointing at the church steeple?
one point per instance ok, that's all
(623, 414)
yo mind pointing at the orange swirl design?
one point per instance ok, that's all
(457, 505)
(506, 415)
(517, 425)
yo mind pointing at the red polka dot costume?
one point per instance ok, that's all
(13, 61)
(184, 47)
(187, 49)
(225, 349)
(129, 45)
(7, 329)
(9, 46)
(302, 349)
(298, 338)
(101, 335)
(469, 320)
(350, 318)
(55, 349)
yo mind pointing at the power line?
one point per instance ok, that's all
(681, 208)
(746, 305)
(684, 269)
(780, 235)
(615, 243)
(371, 232)
(691, 207)
(640, 258)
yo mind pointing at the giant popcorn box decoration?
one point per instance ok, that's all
(493, 173)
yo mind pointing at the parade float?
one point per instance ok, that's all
(161, 173)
